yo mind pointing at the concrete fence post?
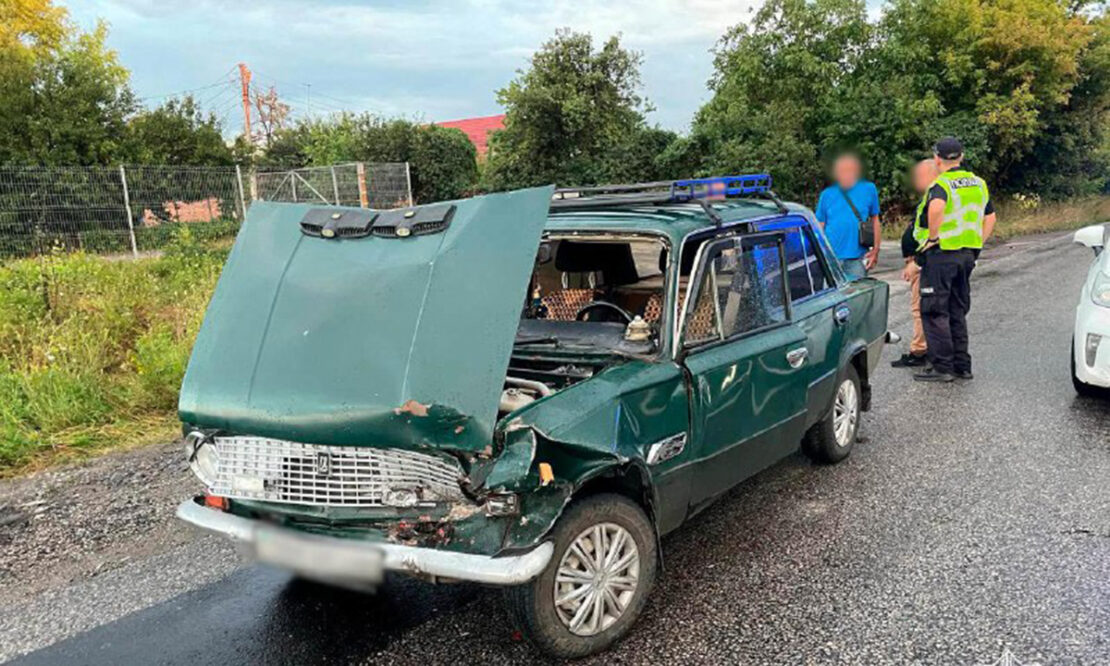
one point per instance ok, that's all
(239, 190)
(127, 207)
(408, 182)
(363, 193)
(335, 186)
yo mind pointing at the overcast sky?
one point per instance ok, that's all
(423, 59)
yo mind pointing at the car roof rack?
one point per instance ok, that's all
(702, 191)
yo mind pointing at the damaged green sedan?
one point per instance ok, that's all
(524, 389)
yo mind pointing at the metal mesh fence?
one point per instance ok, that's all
(384, 185)
(209, 200)
(129, 210)
(113, 209)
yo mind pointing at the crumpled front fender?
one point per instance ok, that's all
(592, 435)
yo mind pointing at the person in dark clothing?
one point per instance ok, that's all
(960, 218)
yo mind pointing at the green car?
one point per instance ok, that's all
(524, 390)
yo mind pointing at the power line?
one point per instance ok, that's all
(347, 105)
(212, 100)
(219, 82)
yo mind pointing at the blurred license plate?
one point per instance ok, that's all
(319, 557)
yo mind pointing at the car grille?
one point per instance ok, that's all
(274, 470)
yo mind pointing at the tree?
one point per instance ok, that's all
(30, 29)
(272, 114)
(64, 97)
(773, 85)
(571, 117)
(996, 71)
(177, 132)
(1019, 81)
(1071, 156)
(444, 163)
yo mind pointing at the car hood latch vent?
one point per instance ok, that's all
(338, 223)
(404, 222)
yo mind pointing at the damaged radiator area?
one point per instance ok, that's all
(531, 379)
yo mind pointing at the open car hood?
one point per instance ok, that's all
(391, 339)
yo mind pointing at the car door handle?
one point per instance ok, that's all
(842, 315)
(796, 357)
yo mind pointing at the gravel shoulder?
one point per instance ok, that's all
(80, 521)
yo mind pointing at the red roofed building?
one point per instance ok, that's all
(477, 129)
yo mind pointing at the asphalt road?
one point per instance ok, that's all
(973, 518)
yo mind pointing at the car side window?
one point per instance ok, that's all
(802, 241)
(818, 271)
(741, 288)
(798, 273)
(805, 272)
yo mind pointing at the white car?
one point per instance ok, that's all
(1090, 356)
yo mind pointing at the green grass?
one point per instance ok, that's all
(1019, 217)
(92, 351)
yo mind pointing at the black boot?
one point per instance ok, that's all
(910, 361)
(932, 375)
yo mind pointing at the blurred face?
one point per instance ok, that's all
(846, 171)
(924, 173)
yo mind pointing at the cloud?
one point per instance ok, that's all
(435, 59)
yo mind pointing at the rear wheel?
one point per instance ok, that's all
(597, 583)
(830, 440)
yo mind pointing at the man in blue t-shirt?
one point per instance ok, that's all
(841, 223)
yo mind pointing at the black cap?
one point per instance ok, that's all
(949, 148)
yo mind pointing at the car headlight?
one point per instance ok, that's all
(1100, 290)
(201, 454)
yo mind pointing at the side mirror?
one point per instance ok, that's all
(1093, 236)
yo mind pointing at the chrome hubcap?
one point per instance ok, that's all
(597, 579)
(845, 412)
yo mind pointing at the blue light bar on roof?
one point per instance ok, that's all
(720, 186)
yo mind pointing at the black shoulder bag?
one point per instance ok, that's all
(866, 230)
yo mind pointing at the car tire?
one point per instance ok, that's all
(533, 607)
(1081, 387)
(831, 439)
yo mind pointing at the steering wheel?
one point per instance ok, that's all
(609, 312)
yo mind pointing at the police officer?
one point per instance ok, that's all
(959, 217)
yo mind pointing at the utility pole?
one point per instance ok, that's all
(245, 81)
(308, 96)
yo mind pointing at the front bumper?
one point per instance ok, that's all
(1091, 318)
(334, 559)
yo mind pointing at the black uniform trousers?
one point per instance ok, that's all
(945, 302)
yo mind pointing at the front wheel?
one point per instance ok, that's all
(597, 583)
(830, 440)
